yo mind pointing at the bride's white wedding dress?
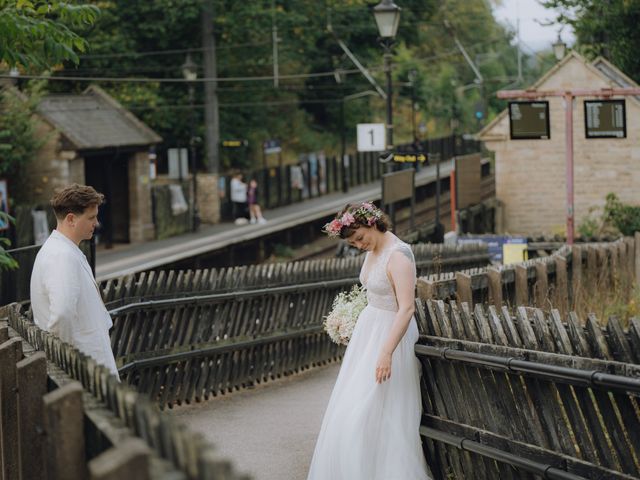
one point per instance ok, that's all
(370, 430)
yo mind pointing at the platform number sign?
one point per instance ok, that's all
(371, 137)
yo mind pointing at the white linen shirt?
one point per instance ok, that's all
(66, 301)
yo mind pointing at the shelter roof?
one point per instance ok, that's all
(95, 120)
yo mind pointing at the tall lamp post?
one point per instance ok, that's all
(190, 74)
(387, 15)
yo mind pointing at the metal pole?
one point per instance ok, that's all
(387, 68)
(390, 166)
(195, 222)
(568, 105)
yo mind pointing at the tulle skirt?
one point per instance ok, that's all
(370, 431)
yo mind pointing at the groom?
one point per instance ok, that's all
(65, 298)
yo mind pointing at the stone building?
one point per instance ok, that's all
(94, 140)
(530, 173)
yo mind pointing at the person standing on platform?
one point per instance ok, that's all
(65, 298)
(255, 211)
(238, 198)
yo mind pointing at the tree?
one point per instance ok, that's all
(608, 28)
(41, 33)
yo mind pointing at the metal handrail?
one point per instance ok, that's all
(587, 378)
(239, 295)
(463, 443)
(223, 346)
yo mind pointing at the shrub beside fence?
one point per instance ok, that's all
(125, 436)
(507, 394)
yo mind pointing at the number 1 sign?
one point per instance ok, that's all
(371, 137)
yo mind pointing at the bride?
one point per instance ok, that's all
(370, 428)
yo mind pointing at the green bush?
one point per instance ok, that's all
(626, 218)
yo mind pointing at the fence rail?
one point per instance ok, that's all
(173, 283)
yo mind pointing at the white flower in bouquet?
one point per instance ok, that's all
(340, 322)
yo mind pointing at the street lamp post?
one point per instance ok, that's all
(190, 73)
(387, 15)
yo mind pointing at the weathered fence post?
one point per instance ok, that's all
(10, 354)
(130, 459)
(541, 287)
(425, 289)
(522, 287)
(32, 386)
(463, 288)
(561, 297)
(63, 419)
(576, 276)
(494, 279)
(636, 251)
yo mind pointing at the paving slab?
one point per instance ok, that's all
(268, 431)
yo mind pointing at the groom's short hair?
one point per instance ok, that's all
(75, 199)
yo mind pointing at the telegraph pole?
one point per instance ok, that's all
(211, 114)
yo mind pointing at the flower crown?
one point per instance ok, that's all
(365, 214)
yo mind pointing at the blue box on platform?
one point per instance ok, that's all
(495, 243)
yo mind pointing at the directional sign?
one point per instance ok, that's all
(234, 143)
(409, 157)
(371, 137)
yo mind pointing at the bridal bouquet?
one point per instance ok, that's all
(340, 322)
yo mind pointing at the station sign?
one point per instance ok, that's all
(409, 157)
(234, 143)
(271, 146)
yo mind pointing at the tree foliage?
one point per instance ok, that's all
(19, 137)
(37, 33)
(150, 39)
(607, 28)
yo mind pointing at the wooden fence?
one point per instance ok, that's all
(180, 349)
(430, 258)
(511, 394)
(89, 425)
(566, 278)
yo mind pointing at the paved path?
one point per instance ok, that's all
(270, 431)
(138, 257)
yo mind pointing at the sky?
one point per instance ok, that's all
(533, 35)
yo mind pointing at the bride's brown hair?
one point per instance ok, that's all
(365, 215)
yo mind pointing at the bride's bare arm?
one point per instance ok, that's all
(403, 280)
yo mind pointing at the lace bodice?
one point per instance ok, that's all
(374, 278)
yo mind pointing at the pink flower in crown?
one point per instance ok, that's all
(369, 206)
(334, 227)
(371, 221)
(347, 219)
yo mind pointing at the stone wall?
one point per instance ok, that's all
(141, 226)
(208, 198)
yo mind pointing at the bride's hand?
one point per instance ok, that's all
(383, 368)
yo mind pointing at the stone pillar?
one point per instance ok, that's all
(141, 227)
(208, 198)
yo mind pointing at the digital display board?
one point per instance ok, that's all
(605, 119)
(529, 120)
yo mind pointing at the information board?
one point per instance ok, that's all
(529, 120)
(605, 119)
